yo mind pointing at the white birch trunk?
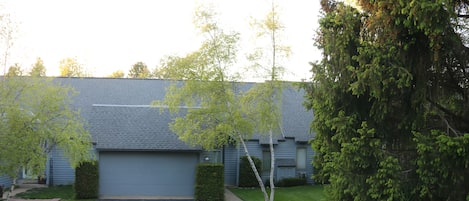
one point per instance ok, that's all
(12, 188)
(272, 165)
(254, 169)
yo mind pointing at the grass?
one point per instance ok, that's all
(297, 193)
(65, 193)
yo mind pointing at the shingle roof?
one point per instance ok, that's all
(121, 127)
(118, 91)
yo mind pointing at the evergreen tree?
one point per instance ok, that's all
(391, 100)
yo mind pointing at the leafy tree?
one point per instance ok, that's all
(117, 74)
(69, 67)
(14, 71)
(263, 101)
(222, 113)
(390, 99)
(38, 69)
(214, 117)
(139, 70)
(35, 117)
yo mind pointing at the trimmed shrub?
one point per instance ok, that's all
(86, 180)
(247, 178)
(293, 181)
(209, 182)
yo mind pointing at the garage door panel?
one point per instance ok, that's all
(147, 174)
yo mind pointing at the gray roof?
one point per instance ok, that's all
(121, 127)
(138, 127)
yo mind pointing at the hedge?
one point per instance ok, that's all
(86, 180)
(246, 175)
(293, 181)
(209, 182)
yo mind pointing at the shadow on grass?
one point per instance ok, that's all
(65, 193)
(297, 193)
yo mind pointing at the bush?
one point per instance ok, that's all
(246, 175)
(86, 180)
(209, 182)
(293, 181)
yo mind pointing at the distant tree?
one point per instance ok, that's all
(69, 67)
(8, 32)
(139, 70)
(35, 117)
(38, 69)
(14, 71)
(117, 74)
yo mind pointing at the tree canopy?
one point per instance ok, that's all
(38, 69)
(36, 116)
(391, 100)
(70, 67)
(139, 70)
(117, 74)
(14, 70)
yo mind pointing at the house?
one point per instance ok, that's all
(139, 155)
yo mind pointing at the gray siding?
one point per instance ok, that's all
(285, 149)
(58, 169)
(168, 174)
(5, 181)
(230, 161)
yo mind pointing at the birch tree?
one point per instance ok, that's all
(35, 117)
(209, 92)
(263, 101)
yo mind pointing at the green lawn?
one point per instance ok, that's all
(298, 193)
(65, 193)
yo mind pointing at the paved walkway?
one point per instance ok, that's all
(229, 196)
(22, 188)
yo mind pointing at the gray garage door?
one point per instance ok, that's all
(146, 174)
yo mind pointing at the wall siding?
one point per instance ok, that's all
(230, 161)
(5, 181)
(58, 169)
(285, 149)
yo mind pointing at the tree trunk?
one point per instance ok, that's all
(12, 188)
(254, 169)
(272, 166)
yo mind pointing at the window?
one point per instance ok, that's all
(301, 158)
(266, 160)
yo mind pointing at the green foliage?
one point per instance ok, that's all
(36, 116)
(38, 69)
(213, 116)
(117, 74)
(14, 71)
(209, 182)
(450, 155)
(70, 67)
(86, 180)
(390, 101)
(246, 175)
(139, 70)
(289, 182)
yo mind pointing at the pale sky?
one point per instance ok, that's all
(110, 35)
